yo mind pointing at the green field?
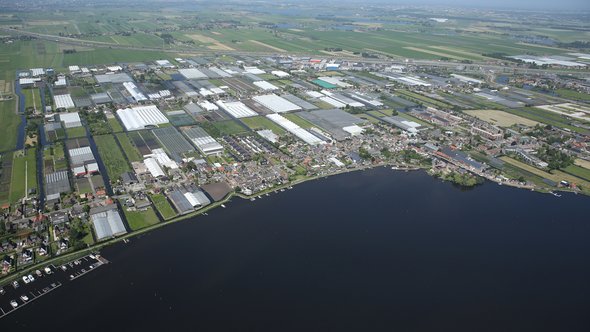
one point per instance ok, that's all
(301, 122)
(161, 203)
(76, 132)
(115, 125)
(546, 117)
(112, 157)
(140, 219)
(32, 99)
(10, 122)
(229, 127)
(128, 147)
(578, 171)
(260, 122)
(24, 174)
(573, 95)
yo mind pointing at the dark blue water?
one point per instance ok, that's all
(369, 251)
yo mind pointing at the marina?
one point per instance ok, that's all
(23, 291)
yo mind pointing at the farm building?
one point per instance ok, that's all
(81, 156)
(134, 91)
(55, 184)
(266, 86)
(294, 129)
(141, 117)
(203, 141)
(113, 78)
(236, 109)
(192, 73)
(63, 101)
(276, 104)
(71, 120)
(107, 222)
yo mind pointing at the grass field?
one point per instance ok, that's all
(24, 174)
(582, 173)
(229, 127)
(546, 117)
(112, 156)
(128, 147)
(571, 94)
(556, 176)
(10, 122)
(301, 122)
(161, 203)
(115, 125)
(140, 219)
(76, 132)
(582, 163)
(500, 118)
(260, 122)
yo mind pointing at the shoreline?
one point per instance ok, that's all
(97, 246)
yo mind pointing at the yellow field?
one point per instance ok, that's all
(582, 163)
(267, 46)
(208, 40)
(555, 175)
(441, 54)
(501, 118)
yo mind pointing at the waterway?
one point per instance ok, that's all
(374, 250)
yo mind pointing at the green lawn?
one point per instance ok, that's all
(140, 219)
(161, 203)
(261, 122)
(112, 156)
(571, 94)
(128, 147)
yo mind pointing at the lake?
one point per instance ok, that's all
(375, 250)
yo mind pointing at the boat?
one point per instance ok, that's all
(14, 304)
(223, 206)
(555, 194)
(24, 298)
(252, 199)
(15, 284)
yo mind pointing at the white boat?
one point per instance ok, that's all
(555, 194)
(223, 206)
(24, 298)
(13, 303)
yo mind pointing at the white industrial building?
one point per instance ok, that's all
(294, 129)
(81, 156)
(74, 69)
(236, 108)
(61, 81)
(37, 72)
(335, 81)
(264, 85)
(192, 73)
(163, 159)
(203, 141)
(197, 199)
(140, 117)
(134, 91)
(63, 101)
(353, 130)
(276, 104)
(70, 120)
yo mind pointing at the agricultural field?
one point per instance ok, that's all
(161, 203)
(24, 174)
(574, 95)
(115, 125)
(582, 173)
(229, 127)
(301, 122)
(260, 122)
(10, 123)
(141, 219)
(76, 132)
(571, 110)
(555, 175)
(500, 118)
(112, 157)
(128, 148)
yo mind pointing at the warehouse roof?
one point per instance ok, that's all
(107, 223)
(141, 117)
(276, 104)
(70, 120)
(63, 101)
